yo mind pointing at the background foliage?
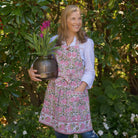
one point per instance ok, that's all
(112, 24)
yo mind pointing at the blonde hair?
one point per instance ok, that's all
(62, 29)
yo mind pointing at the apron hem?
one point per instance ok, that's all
(57, 130)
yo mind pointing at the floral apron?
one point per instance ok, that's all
(64, 109)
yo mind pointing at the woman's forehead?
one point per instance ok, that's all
(75, 13)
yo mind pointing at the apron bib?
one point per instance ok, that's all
(65, 109)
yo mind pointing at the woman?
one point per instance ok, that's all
(66, 103)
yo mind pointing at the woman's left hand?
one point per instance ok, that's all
(82, 87)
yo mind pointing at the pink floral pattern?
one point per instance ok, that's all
(64, 109)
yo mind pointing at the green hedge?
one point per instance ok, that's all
(111, 24)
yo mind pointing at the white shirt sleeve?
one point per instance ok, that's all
(89, 59)
(53, 38)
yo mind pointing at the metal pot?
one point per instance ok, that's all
(46, 66)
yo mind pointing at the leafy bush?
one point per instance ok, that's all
(114, 112)
(26, 125)
(111, 24)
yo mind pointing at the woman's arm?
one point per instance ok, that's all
(89, 72)
(89, 60)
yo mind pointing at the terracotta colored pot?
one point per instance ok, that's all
(46, 66)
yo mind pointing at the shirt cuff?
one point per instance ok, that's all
(88, 80)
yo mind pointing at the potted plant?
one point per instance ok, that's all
(45, 64)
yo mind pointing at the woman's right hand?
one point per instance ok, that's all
(33, 75)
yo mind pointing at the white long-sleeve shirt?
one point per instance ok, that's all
(88, 59)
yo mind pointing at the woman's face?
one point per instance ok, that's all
(74, 22)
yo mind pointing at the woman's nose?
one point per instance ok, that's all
(77, 21)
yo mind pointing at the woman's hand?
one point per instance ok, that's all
(82, 87)
(33, 75)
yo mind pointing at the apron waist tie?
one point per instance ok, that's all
(67, 77)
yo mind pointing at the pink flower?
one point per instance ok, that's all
(63, 46)
(65, 83)
(73, 71)
(81, 71)
(46, 24)
(59, 109)
(82, 107)
(76, 63)
(41, 28)
(62, 126)
(77, 99)
(48, 119)
(82, 126)
(66, 63)
(41, 35)
(74, 54)
(69, 128)
(80, 64)
(73, 118)
(72, 99)
(73, 84)
(61, 92)
(66, 110)
(87, 116)
(59, 69)
(62, 61)
(68, 71)
(70, 109)
(43, 109)
(90, 125)
(78, 117)
(63, 101)
(86, 99)
(47, 110)
(50, 96)
(69, 54)
(59, 52)
(56, 100)
(46, 103)
(62, 118)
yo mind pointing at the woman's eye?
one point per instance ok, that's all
(73, 18)
(80, 18)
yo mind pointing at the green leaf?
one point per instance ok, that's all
(16, 94)
(96, 3)
(29, 19)
(42, 2)
(107, 82)
(102, 99)
(104, 109)
(111, 4)
(6, 10)
(97, 91)
(4, 101)
(119, 107)
(17, 12)
(44, 7)
(17, 19)
(35, 10)
(111, 93)
(121, 82)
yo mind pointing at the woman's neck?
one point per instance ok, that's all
(70, 38)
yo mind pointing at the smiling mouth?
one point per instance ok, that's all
(76, 26)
